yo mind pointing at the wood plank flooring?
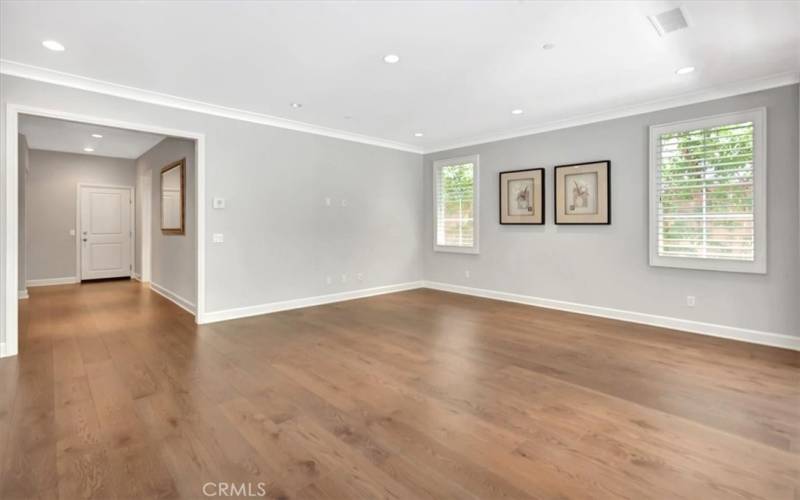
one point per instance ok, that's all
(423, 394)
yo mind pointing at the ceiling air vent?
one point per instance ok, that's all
(668, 21)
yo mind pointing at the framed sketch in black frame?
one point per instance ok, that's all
(583, 193)
(522, 196)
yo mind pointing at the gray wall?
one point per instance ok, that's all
(173, 257)
(23, 152)
(281, 241)
(608, 265)
(52, 203)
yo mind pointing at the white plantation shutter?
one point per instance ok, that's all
(455, 200)
(706, 190)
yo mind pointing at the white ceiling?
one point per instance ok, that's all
(71, 137)
(464, 65)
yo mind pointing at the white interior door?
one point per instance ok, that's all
(105, 232)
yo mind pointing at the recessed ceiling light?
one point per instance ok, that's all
(516, 112)
(418, 134)
(89, 150)
(549, 46)
(97, 136)
(296, 105)
(391, 58)
(53, 45)
(685, 70)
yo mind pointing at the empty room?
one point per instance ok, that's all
(399, 250)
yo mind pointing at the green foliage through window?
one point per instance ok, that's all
(705, 189)
(455, 205)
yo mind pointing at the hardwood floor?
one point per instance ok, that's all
(422, 394)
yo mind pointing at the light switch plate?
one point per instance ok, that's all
(218, 238)
(219, 203)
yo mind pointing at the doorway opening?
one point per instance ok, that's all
(90, 204)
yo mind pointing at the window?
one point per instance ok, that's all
(455, 184)
(708, 180)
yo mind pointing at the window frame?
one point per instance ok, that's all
(437, 165)
(758, 117)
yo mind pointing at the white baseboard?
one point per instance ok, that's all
(5, 350)
(137, 277)
(52, 281)
(712, 329)
(22, 294)
(243, 312)
(173, 297)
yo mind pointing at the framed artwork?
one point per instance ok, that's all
(583, 193)
(522, 196)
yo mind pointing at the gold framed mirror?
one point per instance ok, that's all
(173, 197)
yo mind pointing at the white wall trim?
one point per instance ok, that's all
(145, 194)
(37, 73)
(10, 251)
(10, 327)
(66, 280)
(285, 305)
(21, 70)
(23, 294)
(711, 329)
(709, 94)
(137, 277)
(181, 302)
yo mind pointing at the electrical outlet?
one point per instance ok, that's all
(344, 278)
(328, 280)
(360, 276)
(218, 238)
(466, 273)
(218, 203)
(690, 300)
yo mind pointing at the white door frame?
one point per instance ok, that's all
(78, 222)
(9, 304)
(146, 193)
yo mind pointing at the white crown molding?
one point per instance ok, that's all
(37, 73)
(712, 329)
(27, 71)
(285, 305)
(708, 94)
